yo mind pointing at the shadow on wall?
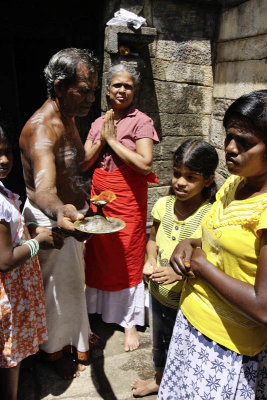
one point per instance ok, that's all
(30, 35)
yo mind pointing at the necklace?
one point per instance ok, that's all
(188, 212)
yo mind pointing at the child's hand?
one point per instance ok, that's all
(165, 276)
(47, 238)
(149, 268)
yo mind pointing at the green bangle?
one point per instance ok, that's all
(33, 245)
(32, 223)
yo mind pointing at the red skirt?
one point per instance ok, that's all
(115, 261)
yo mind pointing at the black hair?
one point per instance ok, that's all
(62, 66)
(4, 136)
(201, 157)
(252, 107)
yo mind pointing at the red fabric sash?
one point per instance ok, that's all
(115, 261)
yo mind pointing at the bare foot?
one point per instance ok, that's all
(142, 388)
(81, 367)
(131, 339)
(67, 368)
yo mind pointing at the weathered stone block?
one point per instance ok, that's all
(163, 170)
(181, 72)
(236, 78)
(144, 34)
(181, 125)
(168, 145)
(153, 195)
(135, 7)
(184, 19)
(253, 48)
(219, 107)
(183, 99)
(106, 64)
(217, 134)
(219, 179)
(248, 19)
(222, 169)
(189, 51)
(171, 97)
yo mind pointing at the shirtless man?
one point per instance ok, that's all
(51, 151)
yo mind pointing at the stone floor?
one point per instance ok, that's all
(108, 376)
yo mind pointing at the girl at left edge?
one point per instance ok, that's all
(23, 319)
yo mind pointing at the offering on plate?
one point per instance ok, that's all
(106, 196)
(100, 223)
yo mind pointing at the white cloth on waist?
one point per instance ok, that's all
(124, 307)
(64, 284)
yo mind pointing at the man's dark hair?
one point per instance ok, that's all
(62, 66)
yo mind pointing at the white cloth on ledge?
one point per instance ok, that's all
(126, 18)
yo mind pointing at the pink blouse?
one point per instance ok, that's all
(133, 126)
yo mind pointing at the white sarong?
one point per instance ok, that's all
(124, 307)
(64, 285)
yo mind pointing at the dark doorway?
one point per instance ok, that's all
(31, 33)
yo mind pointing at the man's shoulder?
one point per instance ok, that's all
(44, 122)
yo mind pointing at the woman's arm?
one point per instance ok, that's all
(91, 153)
(139, 160)
(252, 300)
(181, 256)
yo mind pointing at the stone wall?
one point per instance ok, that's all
(196, 57)
(177, 72)
(241, 63)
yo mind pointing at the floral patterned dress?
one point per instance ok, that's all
(22, 306)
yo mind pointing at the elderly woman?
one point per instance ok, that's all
(121, 146)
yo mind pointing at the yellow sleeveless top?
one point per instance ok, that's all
(169, 234)
(231, 233)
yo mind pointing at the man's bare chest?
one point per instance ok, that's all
(69, 154)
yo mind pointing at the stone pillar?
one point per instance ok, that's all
(240, 64)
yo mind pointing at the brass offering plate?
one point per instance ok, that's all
(99, 225)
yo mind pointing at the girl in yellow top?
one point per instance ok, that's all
(218, 348)
(175, 217)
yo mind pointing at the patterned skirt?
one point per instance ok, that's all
(22, 311)
(201, 369)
